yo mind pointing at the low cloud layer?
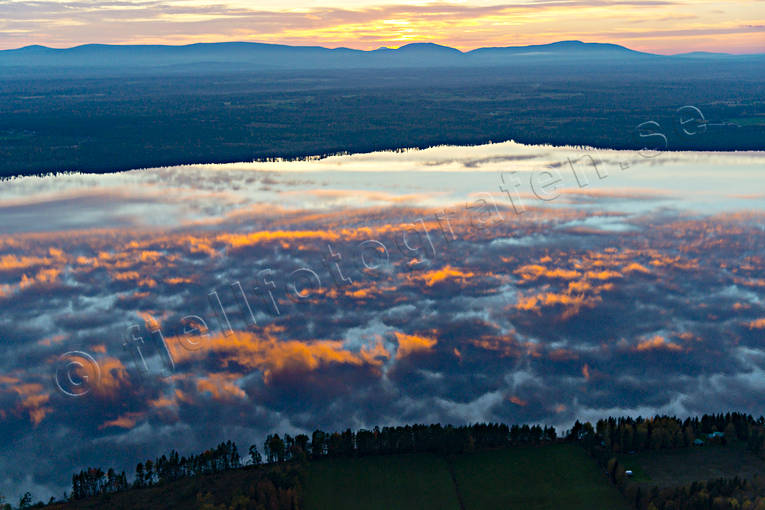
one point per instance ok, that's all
(452, 284)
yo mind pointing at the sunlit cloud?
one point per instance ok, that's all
(422, 305)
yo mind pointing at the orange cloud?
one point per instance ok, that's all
(44, 276)
(126, 276)
(505, 346)
(270, 355)
(635, 267)
(253, 238)
(13, 262)
(221, 386)
(603, 275)
(409, 344)
(33, 400)
(750, 282)
(579, 287)
(446, 273)
(161, 403)
(51, 340)
(199, 245)
(126, 421)
(114, 378)
(178, 281)
(551, 299)
(151, 323)
(375, 355)
(657, 342)
(534, 271)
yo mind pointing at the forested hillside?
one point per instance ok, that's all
(479, 466)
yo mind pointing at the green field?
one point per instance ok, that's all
(531, 478)
(535, 478)
(416, 481)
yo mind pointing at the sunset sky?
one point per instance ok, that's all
(736, 26)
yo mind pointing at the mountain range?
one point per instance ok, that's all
(249, 56)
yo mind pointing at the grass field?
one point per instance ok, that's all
(551, 477)
(416, 481)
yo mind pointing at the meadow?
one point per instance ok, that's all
(410, 481)
(533, 478)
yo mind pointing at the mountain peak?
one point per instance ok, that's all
(572, 42)
(35, 48)
(428, 46)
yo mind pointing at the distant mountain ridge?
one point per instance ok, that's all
(247, 55)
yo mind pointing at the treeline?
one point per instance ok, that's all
(627, 434)
(612, 436)
(273, 489)
(94, 481)
(402, 439)
(172, 466)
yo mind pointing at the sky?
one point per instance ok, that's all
(659, 26)
(501, 283)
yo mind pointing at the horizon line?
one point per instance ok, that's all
(411, 43)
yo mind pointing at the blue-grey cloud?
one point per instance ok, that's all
(414, 294)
